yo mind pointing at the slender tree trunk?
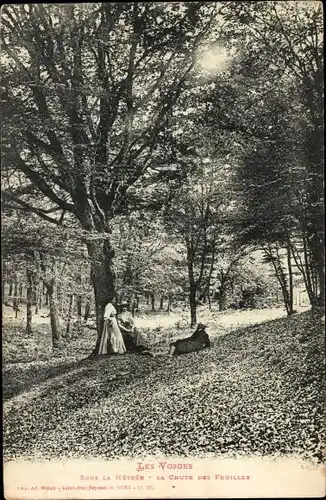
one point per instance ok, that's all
(147, 298)
(304, 269)
(29, 300)
(36, 303)
(161, 302)
(51, 289)
(193, 305)
(40, 297)
(168, 308)
(79, 303)
(10, 288)
(79, 298)
(290, 274)
(209, 299)
(60, 301)
(153, 301)
(321, 278)
(20, 290)
(192, 285)
(3, 280)
(134, 304)
(16, 300)
(54, 317)
(279, 272)
(70, 311)
(87, 309)
(35, 292)
(282, 280)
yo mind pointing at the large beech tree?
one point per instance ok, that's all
(87, 94)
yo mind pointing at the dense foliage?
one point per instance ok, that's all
(160, 171)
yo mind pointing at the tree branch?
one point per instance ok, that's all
(25, 206)
(40, 183)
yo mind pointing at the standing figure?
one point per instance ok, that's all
(111, 341)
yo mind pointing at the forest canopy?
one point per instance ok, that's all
(162, 150)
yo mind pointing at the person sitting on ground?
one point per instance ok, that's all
(133, 339)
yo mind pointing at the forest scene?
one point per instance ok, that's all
(162, 183)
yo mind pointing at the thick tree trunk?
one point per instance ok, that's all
(29, 300)
(103, 279)
(222, 300)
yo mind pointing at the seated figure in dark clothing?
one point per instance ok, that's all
(196, 342)
(132, 337)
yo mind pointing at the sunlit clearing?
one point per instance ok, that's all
(214, 60)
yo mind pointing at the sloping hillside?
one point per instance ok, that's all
(257, 390)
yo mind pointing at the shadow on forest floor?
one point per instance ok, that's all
(262, 383)
(31, 363)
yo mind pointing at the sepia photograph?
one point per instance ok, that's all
(163, 250)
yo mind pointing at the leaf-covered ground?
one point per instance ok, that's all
(258, 390)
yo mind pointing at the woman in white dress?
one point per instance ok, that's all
(111, 340)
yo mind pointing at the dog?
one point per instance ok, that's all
(196, 342)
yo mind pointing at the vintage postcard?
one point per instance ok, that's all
(163, 252)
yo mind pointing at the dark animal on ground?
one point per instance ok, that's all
(196, 342)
